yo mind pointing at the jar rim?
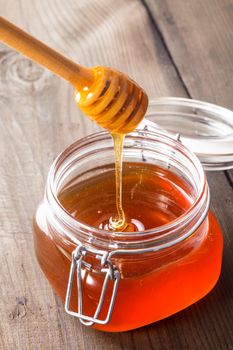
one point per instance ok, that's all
(157, 232)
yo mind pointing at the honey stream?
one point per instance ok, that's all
(118, 222)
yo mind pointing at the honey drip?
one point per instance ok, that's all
(118, 222)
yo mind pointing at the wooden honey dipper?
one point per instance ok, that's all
(107, 96)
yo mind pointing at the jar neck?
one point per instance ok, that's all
(73, 232)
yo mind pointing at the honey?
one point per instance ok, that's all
(153, 285)
(118, 220)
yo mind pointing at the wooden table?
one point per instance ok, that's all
(171, 47)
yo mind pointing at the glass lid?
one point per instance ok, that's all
(204, 128)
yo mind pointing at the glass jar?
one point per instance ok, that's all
(117, 281)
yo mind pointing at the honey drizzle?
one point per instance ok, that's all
(118, 222)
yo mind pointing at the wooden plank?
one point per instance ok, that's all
(199, 35)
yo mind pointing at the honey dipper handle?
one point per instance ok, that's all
(37, 51)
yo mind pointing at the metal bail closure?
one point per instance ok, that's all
(111, 273)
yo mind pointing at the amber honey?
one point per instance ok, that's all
(152, 285)
(118, 221)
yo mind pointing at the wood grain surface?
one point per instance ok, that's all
(171, 47)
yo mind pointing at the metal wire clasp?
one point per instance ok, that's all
(111, 273)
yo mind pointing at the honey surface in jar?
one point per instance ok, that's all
(151, 197)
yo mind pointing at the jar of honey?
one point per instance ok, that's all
(117, 281)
